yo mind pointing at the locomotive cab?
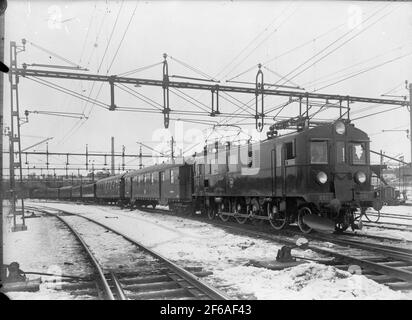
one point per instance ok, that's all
(338, 156)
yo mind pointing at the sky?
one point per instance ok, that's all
(316, 45)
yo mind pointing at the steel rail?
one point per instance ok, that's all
(211, 292)
(118, 288)
(403, 254)
(369, 265)
(103, 281)
(401, 274)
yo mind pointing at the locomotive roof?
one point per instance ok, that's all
(154, 168)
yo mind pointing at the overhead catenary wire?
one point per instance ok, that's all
(68, 91)
(334, 75)
(339, 46)
(128, 73)
(335, 41)
(111, 63)
(55, 55)
(139, 96)
(372, 114)
(366, 70)
(111, 36)
(196, 70)
(302, 45)
(264, 40)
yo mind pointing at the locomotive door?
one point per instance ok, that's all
(342, 180)
(273, 170)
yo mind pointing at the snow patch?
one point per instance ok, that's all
(306, 281)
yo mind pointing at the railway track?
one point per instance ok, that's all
(156, 277)
(389, 215)
(388, 265)
(389, 226)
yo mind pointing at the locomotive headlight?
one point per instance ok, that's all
(360, 177)
(322, 177)
(340, 127)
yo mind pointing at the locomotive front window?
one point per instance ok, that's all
(319, 152)
(358, 153)
(340, 151)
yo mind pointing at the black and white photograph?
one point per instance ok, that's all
(217, 152)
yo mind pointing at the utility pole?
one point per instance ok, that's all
(140, 158)
(87, 157)
(172, 143)
(123, 152)
(15, 143)
(2, 275)
(112, 166)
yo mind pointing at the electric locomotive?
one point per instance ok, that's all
(319, 174)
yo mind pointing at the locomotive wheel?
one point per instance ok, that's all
(225, 206)
(277, 218)
(301, 213)
(240, 209)
(211, 213)
(371, 218)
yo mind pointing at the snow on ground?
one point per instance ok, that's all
(190, 242)
(306, 281)
(44, 247)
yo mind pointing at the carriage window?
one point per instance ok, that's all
(319, 152)
(151, 178)
(290, 150)
(340, 151)
(162, 176)
(358, 153)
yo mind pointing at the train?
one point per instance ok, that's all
(320, 171)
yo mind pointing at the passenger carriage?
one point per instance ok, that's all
(165, 184)
(111, 190)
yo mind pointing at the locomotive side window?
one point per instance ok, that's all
(319, 152)
(340, 151)
(358, 153)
